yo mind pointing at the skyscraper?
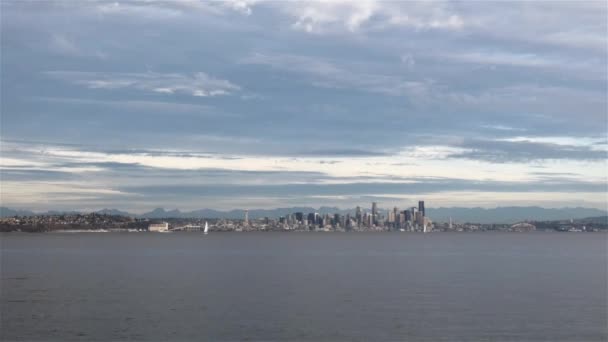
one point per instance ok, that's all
(300, 217)
(374, 213)
(246, 217)
(421, 208)
(391, 217)
(396, 222)
(312, 219)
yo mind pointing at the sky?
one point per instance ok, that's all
(256, 104)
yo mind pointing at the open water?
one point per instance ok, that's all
(304, 286)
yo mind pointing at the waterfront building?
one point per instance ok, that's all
(159, 227)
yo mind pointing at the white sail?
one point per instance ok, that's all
(206, 228)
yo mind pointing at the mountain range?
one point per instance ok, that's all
(458, 214)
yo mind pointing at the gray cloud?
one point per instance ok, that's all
(328, 74)
(331, 81)
(420, 186)
(200, 84)
(525, 151)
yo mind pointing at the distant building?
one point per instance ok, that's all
(374, 213)
(158, 227)
(407, 216)
(523, 227)
(421, 208)
(336, 221)
(420, 219)
(300, 217)
(403, 218)
(391, 216)
(312, 219)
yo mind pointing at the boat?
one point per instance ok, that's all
(206, 228)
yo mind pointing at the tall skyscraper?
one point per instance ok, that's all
(391, 217)
(358, 215)
(312, 219)
(421, 208)
(420, 219)
(246, 217)
(396, 218)
(300, 217)
(374, 213)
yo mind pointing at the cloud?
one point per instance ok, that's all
(341, 152)
(162, 9)
(339, 93)
(334, 16)
(199, 84)
(414, 187)
(150, 107)
(498, 151)
(148, 178)
(310, 16)
(326, 74)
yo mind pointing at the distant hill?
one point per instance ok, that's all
(7, 212)
(510, 214)
(477, 215)
(114, 212)
(598, 220)
(238, 213)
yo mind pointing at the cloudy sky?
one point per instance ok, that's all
(254, 104)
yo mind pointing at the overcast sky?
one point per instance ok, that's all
(254, 104)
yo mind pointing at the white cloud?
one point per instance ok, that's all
(107, 183)
(166, 9)
(241, 6)
(338, 15)
(199, 84)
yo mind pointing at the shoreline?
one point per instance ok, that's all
(108, 231)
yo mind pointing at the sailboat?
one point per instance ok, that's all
(206, 228)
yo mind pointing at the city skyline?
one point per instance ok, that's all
(255, 104)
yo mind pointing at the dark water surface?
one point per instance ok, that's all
(304, 286)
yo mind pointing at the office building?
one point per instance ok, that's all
(421, 208)
(374, 213)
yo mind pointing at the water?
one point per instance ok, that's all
(305, 286)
